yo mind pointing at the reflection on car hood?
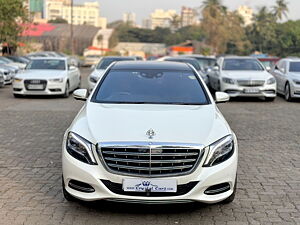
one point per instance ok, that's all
(41, 74)
(246, 75)
(130, 122)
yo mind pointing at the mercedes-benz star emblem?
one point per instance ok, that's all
(150, 133)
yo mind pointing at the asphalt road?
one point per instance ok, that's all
(31, 131)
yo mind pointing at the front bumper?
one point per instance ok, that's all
(295, 91)
(51, 89)
(234, 90)
(204, 176)
(91, 85)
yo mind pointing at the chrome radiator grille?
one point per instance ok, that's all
(251, 83)
(150, 160)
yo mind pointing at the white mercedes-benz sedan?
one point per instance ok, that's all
(242, 77)
(47, 76)
(150, 132)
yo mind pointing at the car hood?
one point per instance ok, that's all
(41, 74)
(182, 124)
(294, 75)
(247, 75)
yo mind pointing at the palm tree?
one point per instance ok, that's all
(281, 9)
(212, 6)
(175, 21)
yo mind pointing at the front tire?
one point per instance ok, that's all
(287, 92)
(67, 91)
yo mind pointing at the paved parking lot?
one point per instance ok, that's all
(31, 131)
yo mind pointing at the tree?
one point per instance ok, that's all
(262, 32)
(280, 9)
(58, 20)
(175, 22)
(13, 16)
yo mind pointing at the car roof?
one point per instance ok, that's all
(181, 58)
(50, 57)
(239, 57)
(292, 59)
(148, 65)
(118, 57)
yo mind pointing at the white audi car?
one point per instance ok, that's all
(47, 76)
(150, 132)
(242, 77)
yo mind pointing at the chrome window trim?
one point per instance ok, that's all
(151, 145)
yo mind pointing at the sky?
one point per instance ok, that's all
(114, 9)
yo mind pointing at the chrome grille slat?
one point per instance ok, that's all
(150, 159)
(147, 168)
(251, 83)
(147, 154)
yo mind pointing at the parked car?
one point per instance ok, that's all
(18, 59)
(102, 66)
(1, 80)
(287, 74)
(47, 76)
(269, 62)
(243, 77)
(193, 62)
(11, 63)
(91, 60)
(206, 62)
(7, 74)
(150, 132)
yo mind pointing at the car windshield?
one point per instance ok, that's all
(194, 63)
(47, 64)
(151, 87)
(242, 64)
(295, 67)
(6, 60)
(206, 62)
(104, 63)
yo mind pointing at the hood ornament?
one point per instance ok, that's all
(150, 133)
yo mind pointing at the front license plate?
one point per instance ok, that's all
(251, 90)
(149, 185)
(35, 87)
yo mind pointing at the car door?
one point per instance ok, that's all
(73, 76)
(282, 76)
(278, 74)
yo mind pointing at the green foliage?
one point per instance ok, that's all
(126, 33)
(12, 15)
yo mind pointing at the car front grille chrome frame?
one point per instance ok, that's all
(251, 83)
(150, 159)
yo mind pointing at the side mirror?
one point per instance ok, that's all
(72, 67)
(216, 68)
(80, 94)
(93, 67)
(268, 68)
(208, 70)
(222, 97)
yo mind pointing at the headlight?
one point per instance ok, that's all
(17, 79)
(57, 80)
(220, 151)
(94, 79)
(271, 80)
(228, 80)
(80, 148)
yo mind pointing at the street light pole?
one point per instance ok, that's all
(71, 32)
